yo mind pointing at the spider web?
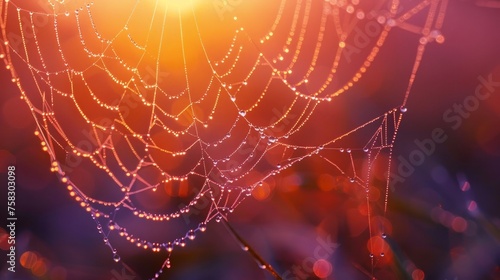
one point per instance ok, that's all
(161, 116)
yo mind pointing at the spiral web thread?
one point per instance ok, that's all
(172, 100)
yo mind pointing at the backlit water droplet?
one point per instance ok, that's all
(203, 227)
(170, 247)
(191, 235)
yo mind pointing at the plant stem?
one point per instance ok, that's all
(246, 247)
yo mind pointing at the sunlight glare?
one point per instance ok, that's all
(181, 5)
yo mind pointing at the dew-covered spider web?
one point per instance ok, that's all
(161, 116)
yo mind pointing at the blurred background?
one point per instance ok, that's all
(443, 215)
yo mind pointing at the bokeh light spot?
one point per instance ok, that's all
(262, 191)
(322, 268)
(326, 182)
(58, 273)
(417, 274)
(28, 259)
(459, 224)
(39, 268)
